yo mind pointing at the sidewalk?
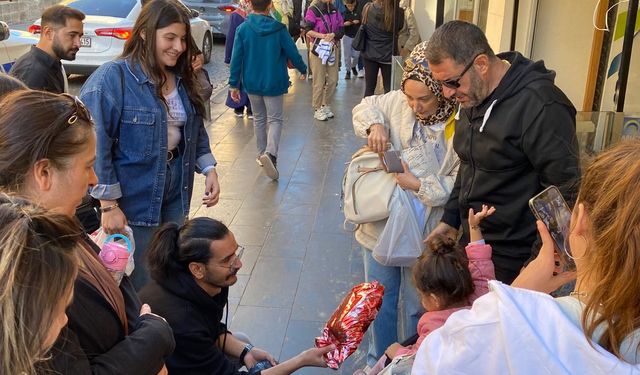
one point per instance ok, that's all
(299, 262)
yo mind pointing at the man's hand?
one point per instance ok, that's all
(303, 77)
(315, 356)
(211, 189)
(348, 23)
(542, 274)
(235, 95)
(378, 138)
(355, 22)
(256, 355)
(443, 229)
(197, 62)
(407, 180)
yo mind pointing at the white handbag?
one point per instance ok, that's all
(366, 188)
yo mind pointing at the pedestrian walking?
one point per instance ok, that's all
(325, 29)
(352, 17)
(261, 50)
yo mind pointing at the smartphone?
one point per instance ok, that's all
(392, 162)
(550, 208)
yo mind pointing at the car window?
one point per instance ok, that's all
(111, 8)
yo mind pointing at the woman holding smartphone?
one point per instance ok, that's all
(594, 330)
(149, 124)
(418, 121)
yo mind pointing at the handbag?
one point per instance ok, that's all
(360, 39)
(366, 188)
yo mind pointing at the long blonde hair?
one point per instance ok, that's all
(38, 266)
(610, 192)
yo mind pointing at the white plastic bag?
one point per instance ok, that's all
(99, 236)
(400, 243)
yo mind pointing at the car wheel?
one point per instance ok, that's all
(206, 47)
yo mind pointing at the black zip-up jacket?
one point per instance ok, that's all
(518, 141)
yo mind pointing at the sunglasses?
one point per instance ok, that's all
(454, 83)
(81, 111)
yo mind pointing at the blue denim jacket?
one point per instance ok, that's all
(131, 131)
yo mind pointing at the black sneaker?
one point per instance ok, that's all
(239, 113)
(355, 72)
(269, 163)
(347, 75)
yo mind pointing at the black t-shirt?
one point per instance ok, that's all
(39, 71)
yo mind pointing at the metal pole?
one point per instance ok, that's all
(439, 13)
(514, 24)
(627, 46)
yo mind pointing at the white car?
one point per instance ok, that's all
(108, 24)
(13, 44)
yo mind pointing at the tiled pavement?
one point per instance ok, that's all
(298, 262)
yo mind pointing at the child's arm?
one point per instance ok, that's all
(475, 234)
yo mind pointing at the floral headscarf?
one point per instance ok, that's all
(416, 68)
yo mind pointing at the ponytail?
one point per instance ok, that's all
(443, 269)
(161, 250)
(173, 247)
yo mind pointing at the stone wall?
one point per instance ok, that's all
(22, 11)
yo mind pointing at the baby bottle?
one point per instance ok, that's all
(115, 255)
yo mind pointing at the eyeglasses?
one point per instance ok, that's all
(81, 110)
(454, 83)
(236, 257)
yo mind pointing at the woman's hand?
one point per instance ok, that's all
(542, 274)
(256, 355)
(146, 310)
(378, 138)
(407, 180)
(303, 77)
(197, 62)
(355, 22)
(113, 221)
(211, 189)
(348, 23)
(235, 95)
(329, 37)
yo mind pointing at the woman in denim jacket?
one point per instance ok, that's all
(150, 132)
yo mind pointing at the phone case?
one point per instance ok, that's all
(550, 207)
(391, 161)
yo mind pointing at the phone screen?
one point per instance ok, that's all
(550, 208)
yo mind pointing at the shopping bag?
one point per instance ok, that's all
(400, 243)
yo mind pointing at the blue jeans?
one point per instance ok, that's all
(401, 308)
(170, 211)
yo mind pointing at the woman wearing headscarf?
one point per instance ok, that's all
(418, 120)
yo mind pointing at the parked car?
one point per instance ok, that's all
(107, 26)
(217, 12)
(13, 44)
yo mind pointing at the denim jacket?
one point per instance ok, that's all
(131, 129)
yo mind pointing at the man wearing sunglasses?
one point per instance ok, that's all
(515, 135)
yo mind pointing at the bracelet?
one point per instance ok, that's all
(108, 208)
(245, 351)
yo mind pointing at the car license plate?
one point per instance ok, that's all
(85, 41)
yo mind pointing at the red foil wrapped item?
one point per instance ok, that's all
(350, 321)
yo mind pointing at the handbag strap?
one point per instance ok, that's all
(324, 22)
(364, 171)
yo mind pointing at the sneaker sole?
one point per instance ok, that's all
(269, 169)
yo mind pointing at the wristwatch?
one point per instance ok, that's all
(245, 351)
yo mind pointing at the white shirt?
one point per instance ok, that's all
(175, 120)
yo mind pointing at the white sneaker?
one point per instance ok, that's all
(327, 111)
(361, 73)
(320, 115)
